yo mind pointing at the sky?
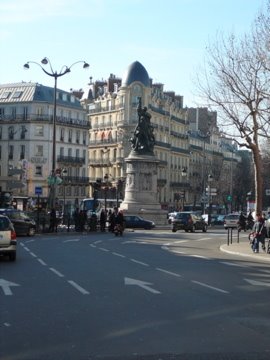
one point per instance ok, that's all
(168, 38)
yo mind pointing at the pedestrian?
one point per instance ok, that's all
(76, 218)
(259, 231)
(82, 219)
(102, 220)
(53, 221)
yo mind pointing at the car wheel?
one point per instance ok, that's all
(31, 231)
(193, 228)
(204, 229)
(12, 256)
(186, 230)
(173, 230)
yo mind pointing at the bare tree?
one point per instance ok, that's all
(236, 83)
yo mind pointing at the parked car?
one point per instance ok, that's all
(137, 222)
(188, 221)
(231, 221)
(219, 220)
(8, 240)
(23, 224)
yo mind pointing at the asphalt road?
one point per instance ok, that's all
(147, 295)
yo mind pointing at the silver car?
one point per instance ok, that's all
(231, 221)
(8, 239)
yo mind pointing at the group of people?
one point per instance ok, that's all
(113, 218)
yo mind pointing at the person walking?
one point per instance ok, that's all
(53, 221)
(259, 231)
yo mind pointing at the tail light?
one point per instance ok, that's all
(13, 235)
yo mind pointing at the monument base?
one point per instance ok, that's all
(141, 189)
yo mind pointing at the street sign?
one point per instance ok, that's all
(38, 190)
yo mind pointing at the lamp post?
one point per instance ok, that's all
(184, 174)
(63, 175)
(64, 70)
(210, 179)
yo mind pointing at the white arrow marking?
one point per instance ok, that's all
(257, 283)
(142, 284)
(6, 286)
(71, 240)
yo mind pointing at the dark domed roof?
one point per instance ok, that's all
(136, 72)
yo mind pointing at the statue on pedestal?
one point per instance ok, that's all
(143, 139)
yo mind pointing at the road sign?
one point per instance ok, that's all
(38, 190)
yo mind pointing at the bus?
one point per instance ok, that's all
(91, 205)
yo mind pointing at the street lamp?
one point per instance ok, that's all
(64, 70)
(210, 179)
(184, 174)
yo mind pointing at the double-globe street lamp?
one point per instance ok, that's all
(64, 70)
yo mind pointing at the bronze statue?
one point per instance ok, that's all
(143, 140)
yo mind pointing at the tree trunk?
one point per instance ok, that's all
(258, 179)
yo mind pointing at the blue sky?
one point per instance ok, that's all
(168, 37)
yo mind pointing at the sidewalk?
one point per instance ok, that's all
(243, 248)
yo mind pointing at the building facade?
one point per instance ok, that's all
(188, 143)
(26, 131)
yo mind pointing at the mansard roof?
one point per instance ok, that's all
(136, 72)
(33, 92)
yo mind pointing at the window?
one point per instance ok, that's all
(61, 151)
(17, 94)
(84, 138)
(13, 112)
(77, 153)
(0, 152)
(10, 152)
(78, 136)
(5, 95)
(39, 150)
(62, 134)
(22, 152)
(38, 170)
(23, 131)
(39, 130)
(0, 132)
(2, 113)
(11, 132)
(25, 113)
(70, 136)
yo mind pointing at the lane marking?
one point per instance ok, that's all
(178, 252)
(139, 262)
(168, 272)
(71, 240)
(42, 262)
(57, 272)
(117, 254)
(200, 257)
(180, 241)
(233, 264)
(92, 245)
(202, 239)
(210, 287)
(78, 287)
(103, 249)
(33, 254)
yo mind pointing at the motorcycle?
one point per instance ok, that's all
(118, 230)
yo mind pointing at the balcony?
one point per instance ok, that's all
(100, 162)
(69, 160)
(75, 180)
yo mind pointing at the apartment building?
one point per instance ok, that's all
(26, 148)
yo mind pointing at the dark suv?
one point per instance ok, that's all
(22, 223)
(188, 221)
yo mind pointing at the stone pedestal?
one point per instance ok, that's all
(141, 188)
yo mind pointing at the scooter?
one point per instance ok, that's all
(118, 230)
